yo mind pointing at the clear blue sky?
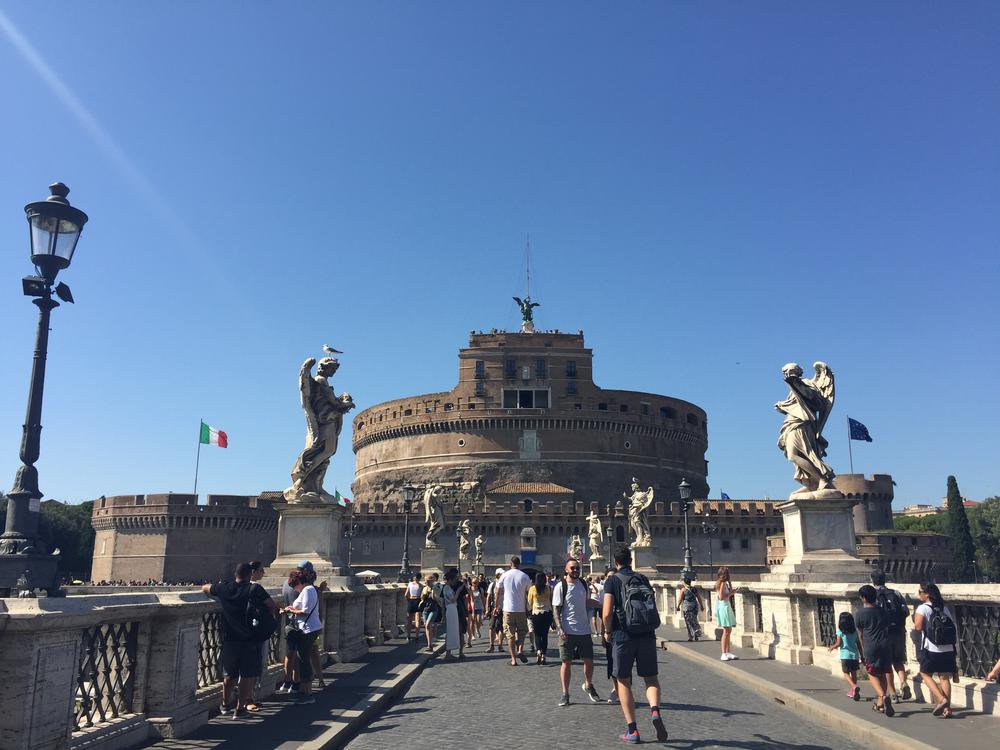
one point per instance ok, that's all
(711, 189)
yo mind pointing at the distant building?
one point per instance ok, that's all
(918, 510)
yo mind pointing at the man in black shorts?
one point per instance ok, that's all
(628, 649)
(873, 635)
(240, 653)
(893, 605)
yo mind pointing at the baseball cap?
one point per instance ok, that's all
(305, 565)
(499, 570)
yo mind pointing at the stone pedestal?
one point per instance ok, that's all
(309, 532)
(820, 544)
(432, 561)
(465, 566)
(644, 560)
(597, 565)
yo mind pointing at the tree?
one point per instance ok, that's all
(963, 551)
(66, 528)
(936, 523)
(984, 523)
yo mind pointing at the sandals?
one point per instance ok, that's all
(940, 708)
(252, 708)
(946, 714)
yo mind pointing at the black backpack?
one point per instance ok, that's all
(940, 629)
(637, 614)
(893, 607)
(261, 624)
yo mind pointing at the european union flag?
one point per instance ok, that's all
(858, 430)
(725, 496)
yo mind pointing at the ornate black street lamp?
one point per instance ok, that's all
(350, 531)
(709, 529)
(684, 490)
(409, 492)
(54, 228)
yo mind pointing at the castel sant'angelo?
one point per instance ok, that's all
(526, 445)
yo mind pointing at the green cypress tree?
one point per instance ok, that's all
(963, 551)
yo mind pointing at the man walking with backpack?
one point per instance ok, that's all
(893, 605)
(572, 603)
(630, 622)
(248, 617)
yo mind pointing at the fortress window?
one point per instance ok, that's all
(540, 368)
(623, 408)
(510, 368)
(602, 407)
(525, 398)
(744, 544)
(571, 368)
(407, 412)
(571, 388)
(480, 388)
(692, 419)
(726, 545)
(528, 502)
(480, 368)
(578, 407)
(449, 406)
(620, 534)
(644, 408)
(667, 413)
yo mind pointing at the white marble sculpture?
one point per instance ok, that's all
(801, 437)
(433, 514)
(639, 503)
(463, 539)
(576, 547)
(594, 535)
(324, 419)
(480, 545)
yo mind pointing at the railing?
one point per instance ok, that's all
(105, 675)
(758, 614)
(978, 638)
(210, 649)
(827, 621)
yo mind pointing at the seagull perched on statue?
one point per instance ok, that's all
(330, 350)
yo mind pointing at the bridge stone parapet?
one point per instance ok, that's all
(113, 671)
(796, 623)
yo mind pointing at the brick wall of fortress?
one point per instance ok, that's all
(587, 438)
(874, 494)
(171, 537)
(744, 526)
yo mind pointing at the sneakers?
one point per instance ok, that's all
(612, 699)
(284, 687)
(728, 657)
(294, 688)
(591, 693)
(906, 693)
(630, 737)
(661, 729)
(564, 701)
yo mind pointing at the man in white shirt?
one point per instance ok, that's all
(571, 602)
(511, 595)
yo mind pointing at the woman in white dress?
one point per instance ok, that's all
(456, 615)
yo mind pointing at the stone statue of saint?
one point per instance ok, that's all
(639, 503)
(480, 544)
(801, 437)
(324, 420)
(433, 514)
(527, 318)
(594, 535)
(576, 547)
(463, 540)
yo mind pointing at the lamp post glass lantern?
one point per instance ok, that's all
(54, 228)
(709, 529)
(409, 492)
(684, 491)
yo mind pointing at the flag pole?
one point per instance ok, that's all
(197, 460)
(849, 451)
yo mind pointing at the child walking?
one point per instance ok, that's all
(847, 642)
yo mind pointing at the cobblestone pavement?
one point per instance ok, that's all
(484, 703)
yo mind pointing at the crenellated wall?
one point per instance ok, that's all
(874, 495)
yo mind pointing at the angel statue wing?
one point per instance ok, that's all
(306, 386)
(519, 302)
(824, 384)
(535, 304)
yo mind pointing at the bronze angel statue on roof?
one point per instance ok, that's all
(806, 410)
(324, 419)
(526, 306)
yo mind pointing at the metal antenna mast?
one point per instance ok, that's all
(527, 266)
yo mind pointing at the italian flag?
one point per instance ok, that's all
(345, 501)
(212, 436)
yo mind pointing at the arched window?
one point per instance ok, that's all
(528, 502)
(619, 533)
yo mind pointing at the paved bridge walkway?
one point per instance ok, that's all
(482, 703)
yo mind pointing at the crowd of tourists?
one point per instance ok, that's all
(516, 615)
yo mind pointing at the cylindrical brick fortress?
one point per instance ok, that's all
(526, 409)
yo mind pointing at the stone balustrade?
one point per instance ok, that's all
(796, 624)
(111, 671)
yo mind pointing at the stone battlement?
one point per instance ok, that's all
(859, 486)
(480, 508)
